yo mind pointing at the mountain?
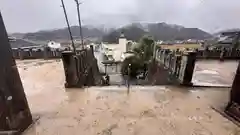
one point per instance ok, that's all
(131, 32)
(160, 31)
(62, 34)
(17, 35)
(17, 43)
(163, 31)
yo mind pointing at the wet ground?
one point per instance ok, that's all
(214, 73)
(155, 110)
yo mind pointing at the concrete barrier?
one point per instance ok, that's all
(81, 69)
(224, 54)
(180, 64)
(36, 53)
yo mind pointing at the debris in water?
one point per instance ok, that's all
(108, 131)
(148, 113)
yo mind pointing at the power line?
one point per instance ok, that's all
(79, 21)
(69, 30)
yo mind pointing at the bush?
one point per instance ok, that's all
(136, 66)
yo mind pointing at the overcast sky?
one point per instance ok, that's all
(34, 15)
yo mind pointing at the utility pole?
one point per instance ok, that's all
(79, 21)
(69, 30)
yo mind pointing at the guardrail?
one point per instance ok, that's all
(224, 54)
(39, 53)
(179, 64)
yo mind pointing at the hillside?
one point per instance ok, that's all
(163, 31)
(23, 43)
(131, 32)
(160, 31)
(63, 34)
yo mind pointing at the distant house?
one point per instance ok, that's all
(54, 45)
(226, 39)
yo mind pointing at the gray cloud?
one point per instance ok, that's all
(34, 15)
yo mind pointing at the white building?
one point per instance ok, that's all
(54, 45)
(117, 51)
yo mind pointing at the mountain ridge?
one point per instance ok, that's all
(134, 31)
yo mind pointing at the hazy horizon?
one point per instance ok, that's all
(34, 15)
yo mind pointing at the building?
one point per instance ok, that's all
(118, 51)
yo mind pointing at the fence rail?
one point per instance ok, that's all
(180, 64)
(40, 53)
(225, 53)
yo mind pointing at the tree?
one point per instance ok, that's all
(143, 53)
(135, 66)
(144, 50)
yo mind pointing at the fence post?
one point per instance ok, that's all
(222, 54)
(45, 52)
(21, 53)
(205, 53)
(70, 68)
(187, 68)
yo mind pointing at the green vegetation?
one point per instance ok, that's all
(143, 53)
(144, 50)
(135, 67)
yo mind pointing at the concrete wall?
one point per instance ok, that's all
(180, 64)
(81, 69)
(39, 53)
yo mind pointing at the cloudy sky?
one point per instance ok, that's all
(34, 15)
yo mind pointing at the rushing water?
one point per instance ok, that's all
(112, 111)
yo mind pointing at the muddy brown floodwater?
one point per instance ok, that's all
(156, 110)
(214, 72)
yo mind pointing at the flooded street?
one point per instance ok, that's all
(151, 110)
(214, 73)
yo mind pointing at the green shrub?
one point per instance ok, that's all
(135, 68)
